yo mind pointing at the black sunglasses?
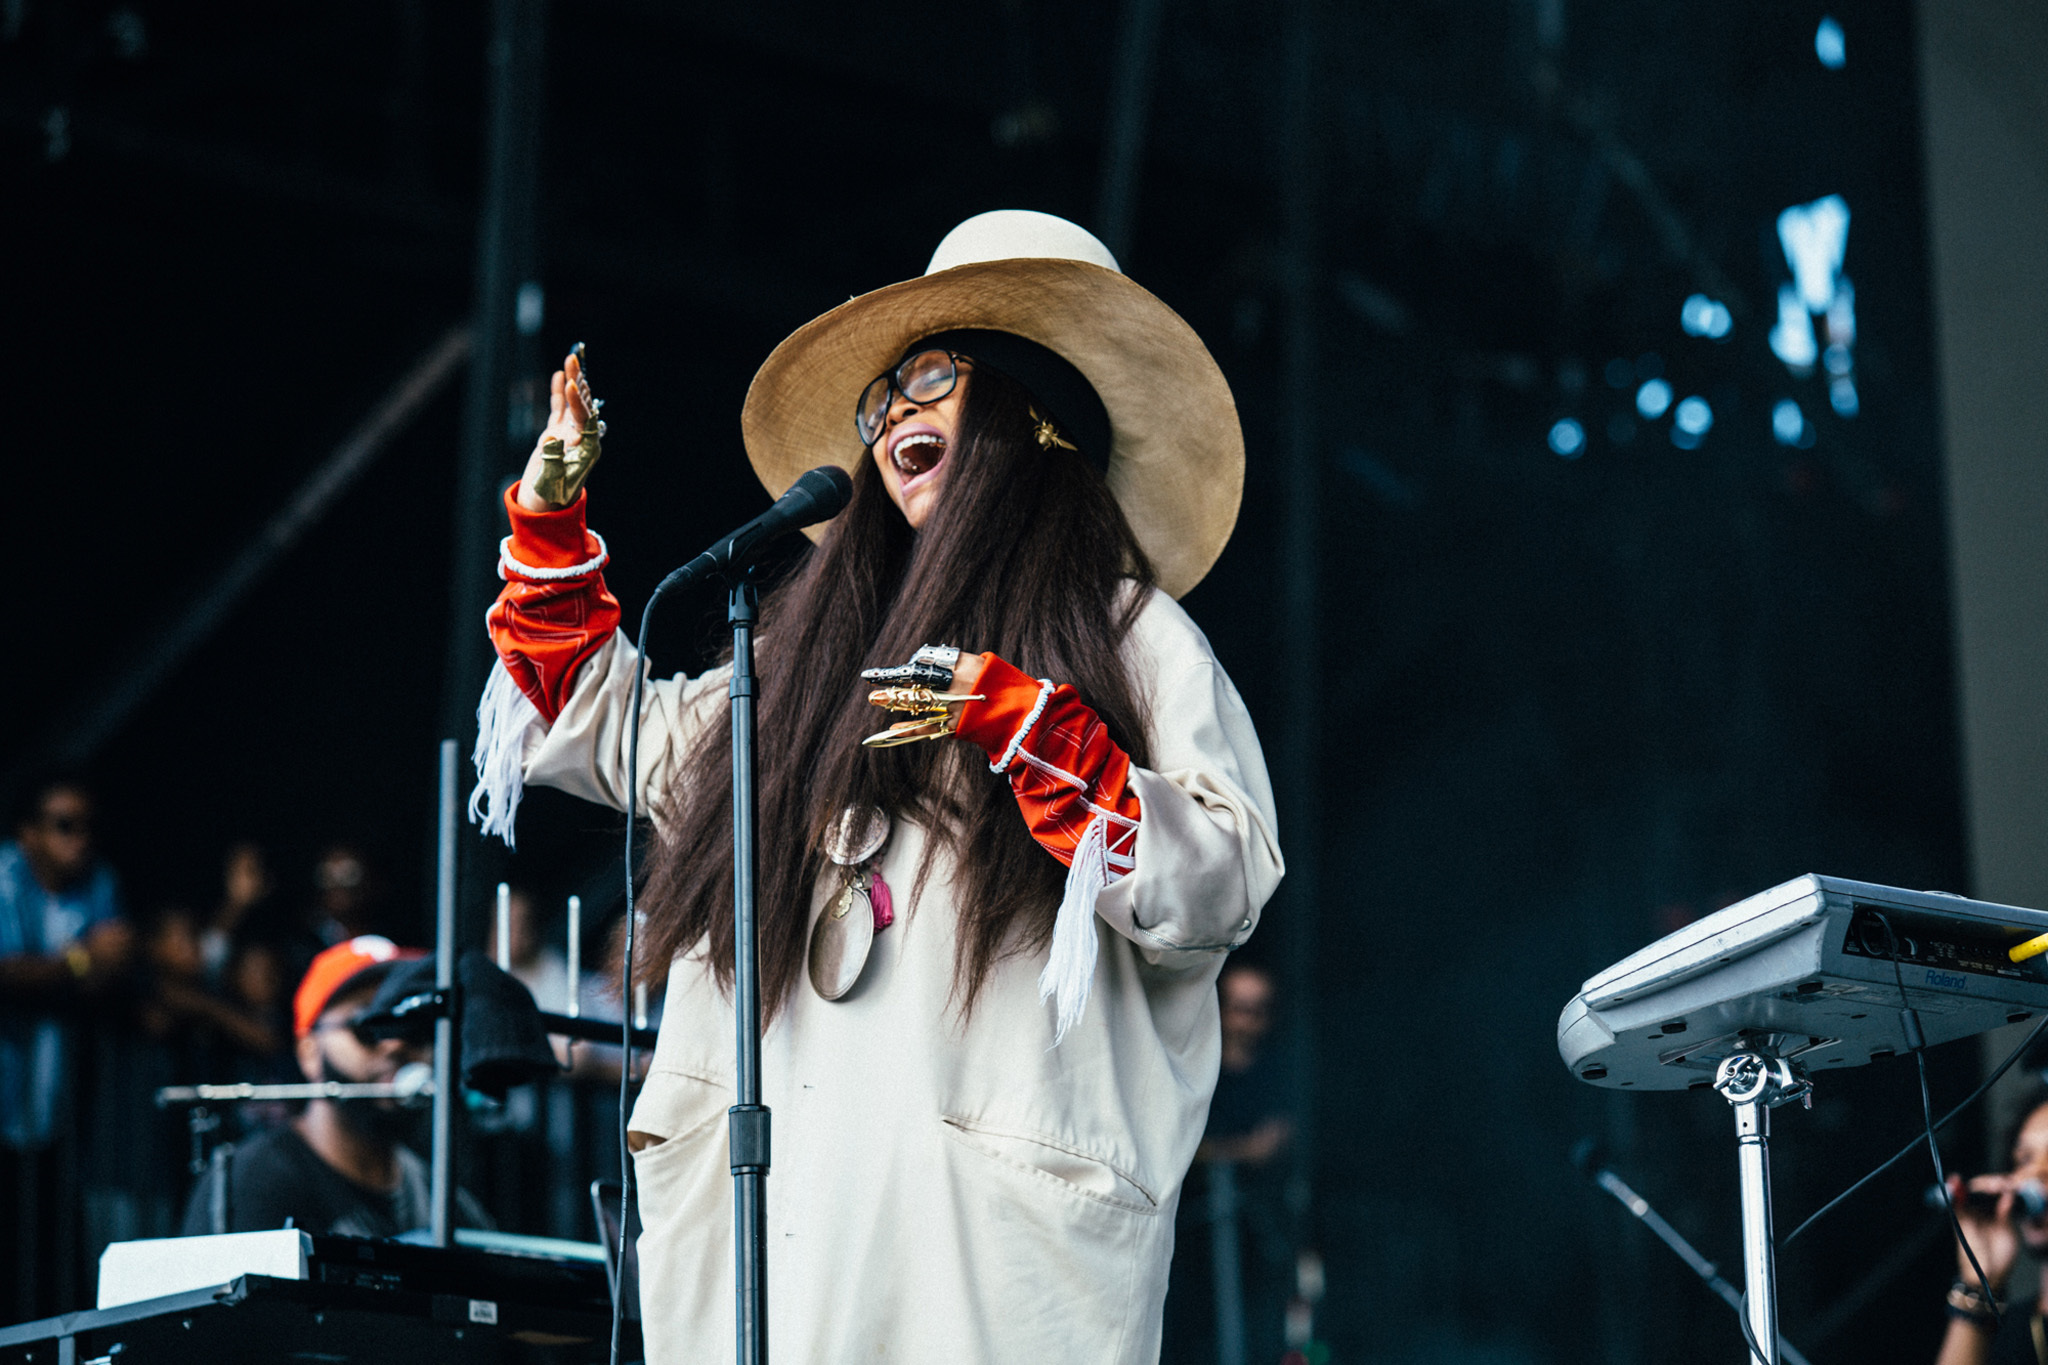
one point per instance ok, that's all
(925, 377)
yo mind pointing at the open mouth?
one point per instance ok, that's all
(918, 454)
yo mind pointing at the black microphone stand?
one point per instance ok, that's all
(816, 496)
(747, 1132)
(747, 1121)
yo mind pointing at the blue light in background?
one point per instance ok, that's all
(529, 308)
(1792, 340)
(1842, 395)
(1788, 424)
(1830, 44)
(1567, 438)
(1842, 314)
(1693, 416)
(1815, 237)
(1704, 317)
(1652, 399)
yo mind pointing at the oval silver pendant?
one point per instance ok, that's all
(857, 835)
(840, 941)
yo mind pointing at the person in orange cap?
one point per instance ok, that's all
(338, 1167)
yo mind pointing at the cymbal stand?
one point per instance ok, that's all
(1755, 1083)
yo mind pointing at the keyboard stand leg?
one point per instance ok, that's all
(1754, 1084)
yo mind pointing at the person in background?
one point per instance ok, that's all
(344, 906)
(64, 947)
(177, 1007)
(1994, 1213)
(540, 967)
(1233, 1203)
(340, 1167)
(245, 953)
(1249, 1122)
(245, 891)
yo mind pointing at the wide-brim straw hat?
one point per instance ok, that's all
(1176, 456)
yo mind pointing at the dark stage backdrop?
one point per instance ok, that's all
(1579, 683)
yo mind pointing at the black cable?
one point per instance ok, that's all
(1756, 1352)
(2011, 1059)
(626, 968)
(1916, 1042)
(1948, 1202)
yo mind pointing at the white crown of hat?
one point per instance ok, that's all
(1014, 234)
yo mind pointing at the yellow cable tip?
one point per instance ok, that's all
(2033, 947)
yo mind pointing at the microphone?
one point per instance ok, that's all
(410, 1085)
(2029, 1201)
(818, 496)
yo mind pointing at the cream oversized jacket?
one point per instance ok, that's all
(947, 1192)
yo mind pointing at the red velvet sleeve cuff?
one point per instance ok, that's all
(1011, 695)
(550, 541)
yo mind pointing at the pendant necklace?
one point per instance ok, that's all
(846, 928)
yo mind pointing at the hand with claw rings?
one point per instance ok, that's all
(571, 443)
(934, 714)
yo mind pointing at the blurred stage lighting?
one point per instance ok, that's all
(1815, 237)
(1830, 44)
(529, 309)
(1792, 340)
(1693, 416)
(1842, 314)
(1789, 425)
(1703, 317)
(1652, 399)
(1567, 438)
(1842, 396)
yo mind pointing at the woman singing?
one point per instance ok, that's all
(988, 961)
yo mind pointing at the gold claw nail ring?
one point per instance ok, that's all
(918, 701)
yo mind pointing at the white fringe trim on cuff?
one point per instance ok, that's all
(1070, 969)
(508, 566)
(503, 718)
(1017, 740)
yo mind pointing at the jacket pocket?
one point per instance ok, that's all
(674, 1107)
(1064, 1167)
(681, 1175)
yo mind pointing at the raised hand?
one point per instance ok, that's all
(1991, 1232)
(571, 443)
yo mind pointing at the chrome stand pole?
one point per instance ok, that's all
(441, 1218)
(1755, 1084)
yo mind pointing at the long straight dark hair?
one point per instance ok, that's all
(1026, 554)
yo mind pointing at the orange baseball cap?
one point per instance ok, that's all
(338, 967)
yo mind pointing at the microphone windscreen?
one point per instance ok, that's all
(413, 1080)
(828, 488)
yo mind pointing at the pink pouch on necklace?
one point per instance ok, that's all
(884, 903)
